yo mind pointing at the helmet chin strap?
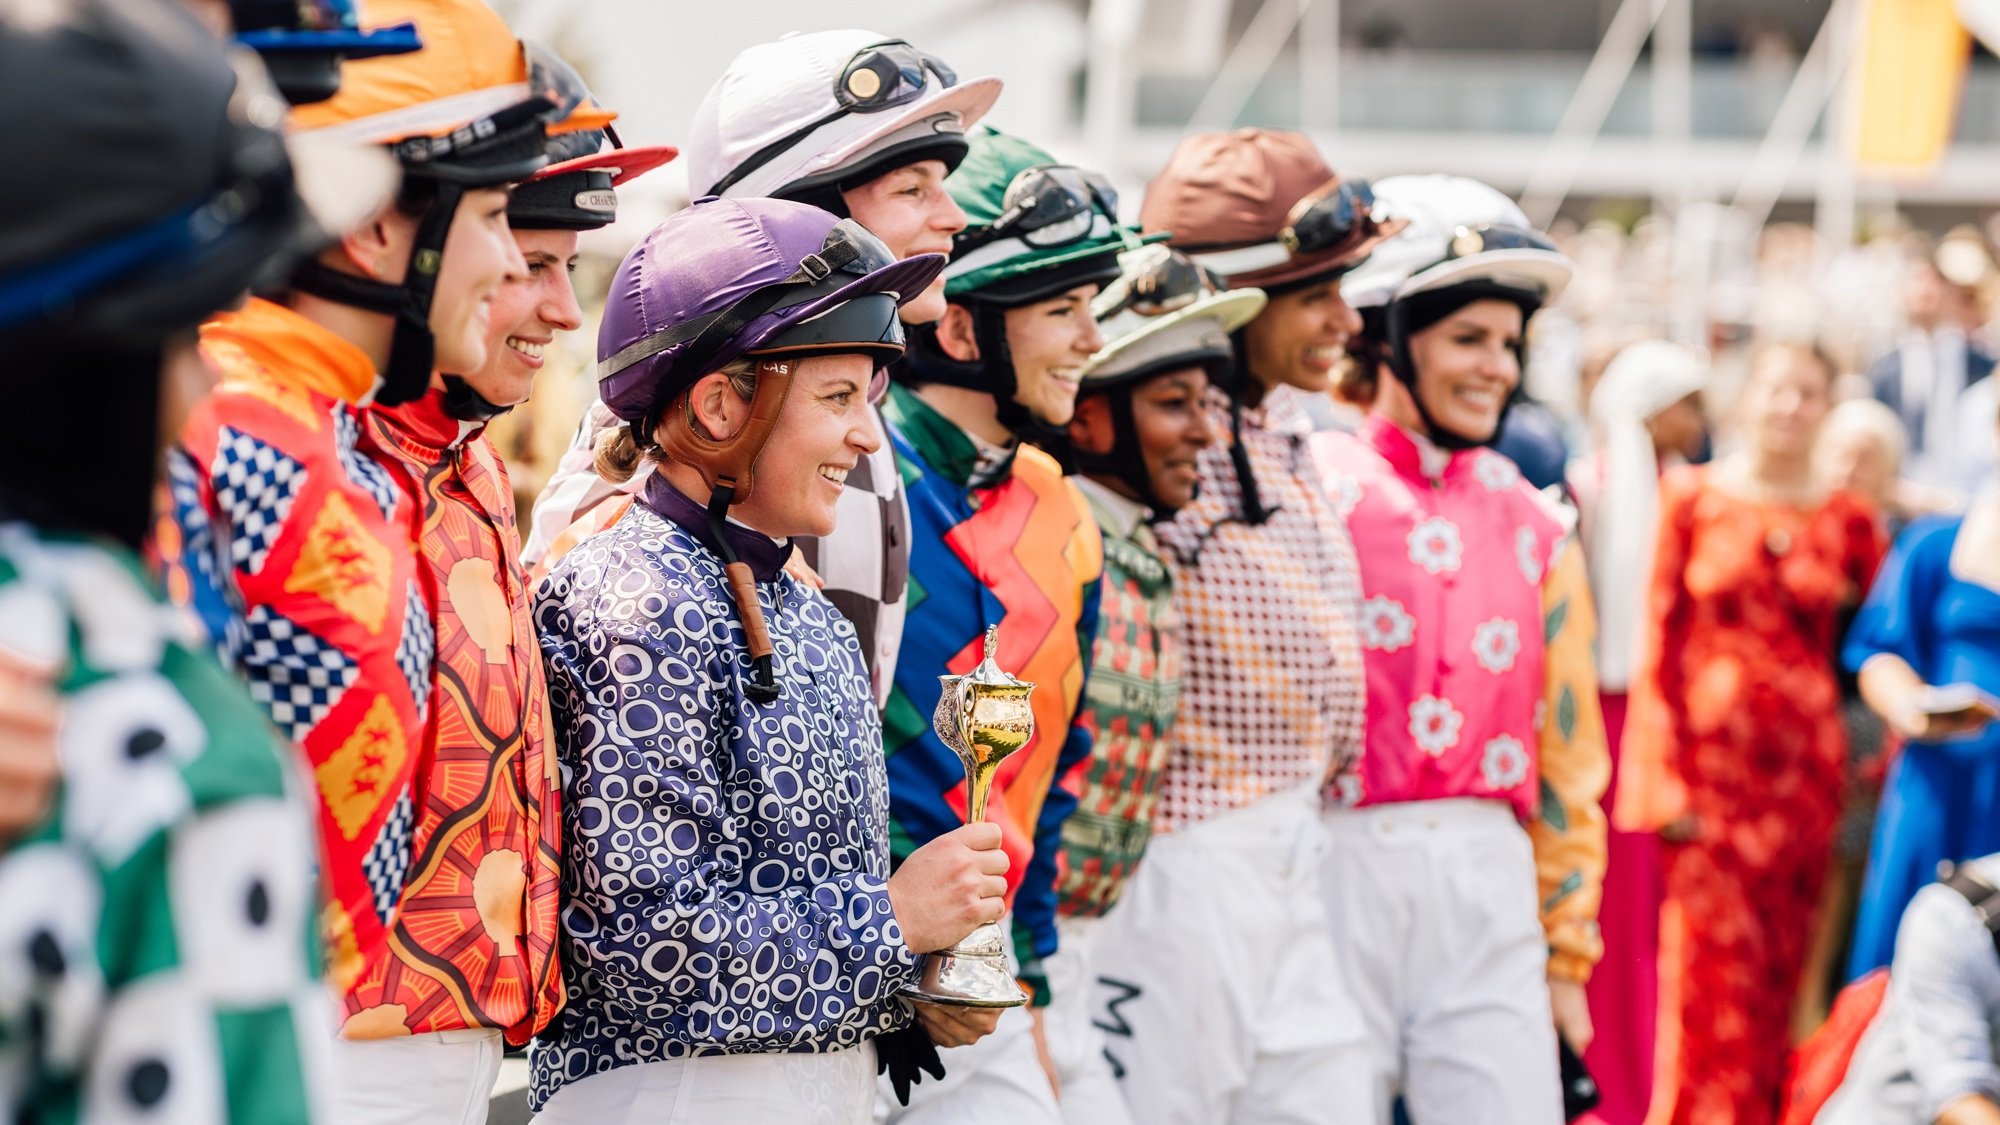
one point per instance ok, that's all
(993, 374)
(1405, 370)
(412, 348)
(1126, 462)
(468, 405)
(729, 466)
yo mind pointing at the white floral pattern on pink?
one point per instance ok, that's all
(1344, 492)
(1435, 546)
(1505, 763)
(1434, 724)
(1385, 625)
(1496, 643)
(1495, 471)
(1528, 552)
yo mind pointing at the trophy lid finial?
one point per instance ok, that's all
(988, 673)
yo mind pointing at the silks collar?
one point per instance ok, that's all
(296, 351)
(764, 555)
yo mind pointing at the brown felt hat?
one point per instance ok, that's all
(1226, 197)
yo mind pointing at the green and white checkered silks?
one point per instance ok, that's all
(157, 956)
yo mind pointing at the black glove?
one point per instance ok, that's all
(905, 1056)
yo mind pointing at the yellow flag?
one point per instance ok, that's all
(1913, 59)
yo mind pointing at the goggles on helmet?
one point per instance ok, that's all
(1167, 283)
(1487, 238)
(848, 253)
(1335, 216)
(1046, 207)
(883, 76)
(511, 138)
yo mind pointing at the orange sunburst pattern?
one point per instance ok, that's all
(476, 928)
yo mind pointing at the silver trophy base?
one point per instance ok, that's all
(972, 974)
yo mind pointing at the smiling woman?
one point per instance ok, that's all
(1482, 707)
(678, 634)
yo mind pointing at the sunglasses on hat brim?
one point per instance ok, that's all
(1048, 206)
(883, 76)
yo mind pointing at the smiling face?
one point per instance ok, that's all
(1050, 341)
(1171, 419)
(824, 429)
(1467, 366)
(527, 313)
(479, 257)
(1299, 338)
(912, 213)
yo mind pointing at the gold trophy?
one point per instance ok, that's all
(983, 716)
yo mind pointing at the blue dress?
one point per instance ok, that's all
(1942, 799)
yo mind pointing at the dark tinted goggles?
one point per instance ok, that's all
(1167, 282)
(1487, 238)
(1045, 207)
(888, 75)
(880, 77)
(1336, 216)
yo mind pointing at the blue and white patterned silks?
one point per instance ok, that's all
(726, 861)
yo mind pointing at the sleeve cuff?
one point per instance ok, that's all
(1036, 982)
(1574, 950)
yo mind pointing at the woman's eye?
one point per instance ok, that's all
(841, 398)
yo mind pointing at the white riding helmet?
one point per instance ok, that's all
(811, 110)
(1459, 231)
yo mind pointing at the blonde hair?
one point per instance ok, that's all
(621, 451)
(1868, 418)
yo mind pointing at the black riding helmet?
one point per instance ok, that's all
(179, 196)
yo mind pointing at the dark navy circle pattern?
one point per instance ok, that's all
(726, 861)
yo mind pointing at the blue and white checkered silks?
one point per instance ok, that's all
(417, 649)
(388, 858)
(255, 485)
(294, 675)
(367, 475)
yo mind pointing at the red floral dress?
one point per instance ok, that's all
(1735, 722)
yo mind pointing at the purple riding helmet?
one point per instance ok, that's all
(724, 279)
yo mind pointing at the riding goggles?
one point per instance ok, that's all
(1047, 207)
(883, 76)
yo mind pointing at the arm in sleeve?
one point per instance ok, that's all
(1897, 617)
(1651, 791)
(701, 940)
(1034, 922)
(1569, 834)
(1946, 981)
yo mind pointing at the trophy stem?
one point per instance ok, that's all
(978, 787)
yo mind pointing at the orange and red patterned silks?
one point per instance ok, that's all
(1734, 732)
(480, 907)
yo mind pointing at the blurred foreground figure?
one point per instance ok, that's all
(156, 951)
